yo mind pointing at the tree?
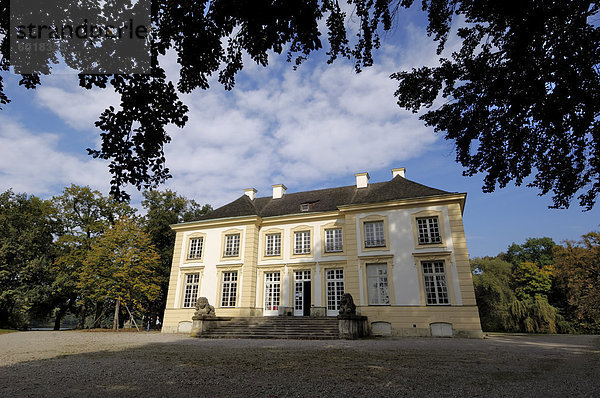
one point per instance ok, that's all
(534, 250)
(521, 94)
(165, 208)
(530, 280)
(578, 271)
(516, 290)
(491, 280)
(84, 214)
(122, 267)
(26, 255)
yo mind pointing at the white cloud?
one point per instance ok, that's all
(297, 127)
(33, 162)
(78, 107)
(300, 128)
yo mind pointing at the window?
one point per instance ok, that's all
(195, 248)
(429, 230)
(374, 234)
(273, 245)
(232, 245)
(335, 289)
(333, 240)
(302, 242)
(272, 291)
(434, 275)
(190, 291)
(305, 207)
(377, 283)
(229, 289)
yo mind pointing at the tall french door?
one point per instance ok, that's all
(335, 290)
(272, 293)
(302, 293)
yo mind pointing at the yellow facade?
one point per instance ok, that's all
(406, 314)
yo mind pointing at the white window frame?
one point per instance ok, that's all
(378, 290)
(302, 242)
(272, 295)
(195, 249)
(428, 230)
(334, 240)
(374, 234)
(190, 290)
(229, 284)
(435, 282)
(232, 245)
(273, 244)
(335, 284)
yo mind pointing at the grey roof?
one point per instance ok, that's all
(324, 199)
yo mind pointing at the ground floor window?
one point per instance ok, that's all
(229, 289)
(272, 291)
(377, 284)
(335, 289)
(434, 276)
(190, 290)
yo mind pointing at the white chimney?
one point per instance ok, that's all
(362, 180)
(279, 191)
(399, 172)
(251, 193)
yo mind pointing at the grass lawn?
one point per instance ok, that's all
(4, 331)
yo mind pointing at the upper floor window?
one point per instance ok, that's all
(302, 242)
(190, 290)
(273, 245)
(374, 234)
(377, 284)
(434, 276)
(232, 245)
(429, 230)
(333, 240)
(305, 207)
(195, 251)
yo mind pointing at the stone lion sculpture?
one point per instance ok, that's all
(347, 306)
(203, 308)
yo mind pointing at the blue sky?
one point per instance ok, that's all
(308, 129)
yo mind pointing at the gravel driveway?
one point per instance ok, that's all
(72, 363)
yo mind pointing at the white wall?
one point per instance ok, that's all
(211, 257)
(402, 245)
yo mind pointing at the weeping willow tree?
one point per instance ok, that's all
(533, 315)
(514, 297)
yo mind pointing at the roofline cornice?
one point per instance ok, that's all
(425, 200)
(216, 222)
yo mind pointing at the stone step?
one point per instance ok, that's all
(277, 328)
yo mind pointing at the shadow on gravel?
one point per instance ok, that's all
(500, 366)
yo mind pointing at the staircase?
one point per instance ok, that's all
(277, 327)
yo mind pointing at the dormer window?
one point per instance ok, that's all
(308, 206)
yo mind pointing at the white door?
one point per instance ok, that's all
(272, 293)
(335, 290)
(299, 278)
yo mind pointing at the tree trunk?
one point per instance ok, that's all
(116, 319)
(58, 318)
(122, 317)
(81, 321)
(99, 315)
